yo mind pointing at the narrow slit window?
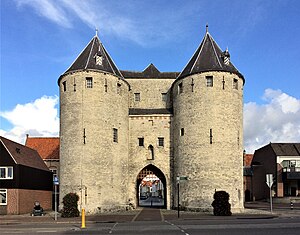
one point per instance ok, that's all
(64, 85)
(74, 85)
(115, 135)
(235, 84)
(84, 136)
(119, 88)
(192, 84)
(105, 85)
(182, 132)
(89, 82)
(180, 88)
(210, 136)
(209, 81)
(164, 97)
(151, 153)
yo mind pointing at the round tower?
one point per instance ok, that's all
(208, 128)
(94, 131)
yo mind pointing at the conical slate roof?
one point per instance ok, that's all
(209, 57)
(95, 57)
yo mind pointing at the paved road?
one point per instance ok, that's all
(160, 222)
(149, 214)
(275, 226)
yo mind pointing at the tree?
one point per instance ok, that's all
(221, 204)
(70, 208)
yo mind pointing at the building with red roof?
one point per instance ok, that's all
(48, 149)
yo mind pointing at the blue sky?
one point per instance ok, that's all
(41, 38)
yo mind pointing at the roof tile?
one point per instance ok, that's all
(47, 147)
(209, 57)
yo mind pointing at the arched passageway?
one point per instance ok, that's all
(151, 190)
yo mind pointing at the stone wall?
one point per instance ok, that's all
(150, 93)
(202, 138)
(150, 127)
(210, 151)
(93, 165)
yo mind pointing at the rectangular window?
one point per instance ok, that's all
(235, 84)
(137, 96)
(182, 132)
(161, 141)
(209, 81)
(180, 88)
(164, 97)
(89, 82)
(3, 196)
(6, 172)
(64, 85)
(115, 135)
(141, 141)
(292, 163)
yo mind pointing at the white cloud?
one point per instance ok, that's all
(133, 20)
(278, 120)
(38, 118)
(48, 9)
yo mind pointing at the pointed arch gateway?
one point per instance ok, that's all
(151, 187)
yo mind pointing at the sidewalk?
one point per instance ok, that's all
(254, 210)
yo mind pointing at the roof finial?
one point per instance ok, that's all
(207, 27)
(96, 32)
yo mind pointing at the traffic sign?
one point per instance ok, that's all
(269, 178)
(55, 181)
(182, 178)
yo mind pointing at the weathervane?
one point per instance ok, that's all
(96, 32)
(207, 27)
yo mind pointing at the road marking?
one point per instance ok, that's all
(134, 218)
(49, 231)
(111, 230)
(161, 215)
(10, 232)
(181, 229)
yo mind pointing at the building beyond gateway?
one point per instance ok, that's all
(118, 127)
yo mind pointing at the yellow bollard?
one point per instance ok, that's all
(82, 218)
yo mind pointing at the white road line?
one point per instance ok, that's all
(49, 231)
(111, 230)
(182, 230)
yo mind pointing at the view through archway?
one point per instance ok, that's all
(151, 187)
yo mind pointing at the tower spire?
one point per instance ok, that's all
(206, 27)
